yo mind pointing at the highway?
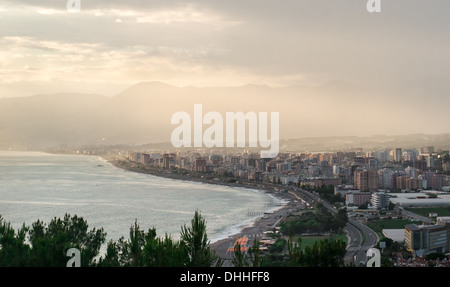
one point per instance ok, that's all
(361, 237)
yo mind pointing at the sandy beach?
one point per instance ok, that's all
(256, 231)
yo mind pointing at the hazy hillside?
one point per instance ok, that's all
(43, 120)
(142, 113)
(324, 144)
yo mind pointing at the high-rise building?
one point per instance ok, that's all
(411, 171)
(438, 181)
(385, 178)
(373, 163)
(145, 159)
(413, 183)
(424, 239)
(381, 155)
(357, 198)
(379, 200)
(372, 179)
(420, 163)
(401, 182)
(366, 179)
(397, 154)
(429, 178)
(430, 161)
(336, 169)
(360, 180)
(200, 165)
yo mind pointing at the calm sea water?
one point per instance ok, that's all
(43, 186)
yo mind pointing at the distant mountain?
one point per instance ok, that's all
(45, 120)
(330, 144)
(142, 113)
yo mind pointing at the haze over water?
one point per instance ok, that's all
(43, 186)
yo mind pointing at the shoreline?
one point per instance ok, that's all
(256, 227)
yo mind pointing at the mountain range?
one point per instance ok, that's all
(337, 112)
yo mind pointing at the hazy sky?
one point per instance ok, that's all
(110, 44)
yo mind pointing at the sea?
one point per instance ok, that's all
(41, 186)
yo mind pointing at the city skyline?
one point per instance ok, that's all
(295, 127)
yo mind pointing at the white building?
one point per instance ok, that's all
(287, 179)
(380, 200)
(336, 169)
(411, 171)
(421, 199)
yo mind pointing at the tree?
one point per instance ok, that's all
(165, 252)
(51, 242)
(255, 254)
(239, 259)
(196, 241)
(324, 253)
(131, 251)
(112, 257)
(145, 249)
(47, 245)
(250, 259)
(14, 252)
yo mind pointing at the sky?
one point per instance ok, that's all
(110, 45)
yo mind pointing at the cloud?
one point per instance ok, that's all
(222, 42)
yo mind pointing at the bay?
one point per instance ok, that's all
(35, 185)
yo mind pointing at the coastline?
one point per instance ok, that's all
(254, 228)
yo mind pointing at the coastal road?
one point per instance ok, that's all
(361, 237)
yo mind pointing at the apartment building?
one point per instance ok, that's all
(424, 239)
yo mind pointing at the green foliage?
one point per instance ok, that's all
(147, 250)
(239, 259)
(424, 211)
(251, 259)
(48, 244)
(144, 249)
(196, 242)
(435, 256)
(324, 253)
(379, 225)
(278, 246)
(13, 250)
(112, 257)
(326, 192)
(318, 221)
